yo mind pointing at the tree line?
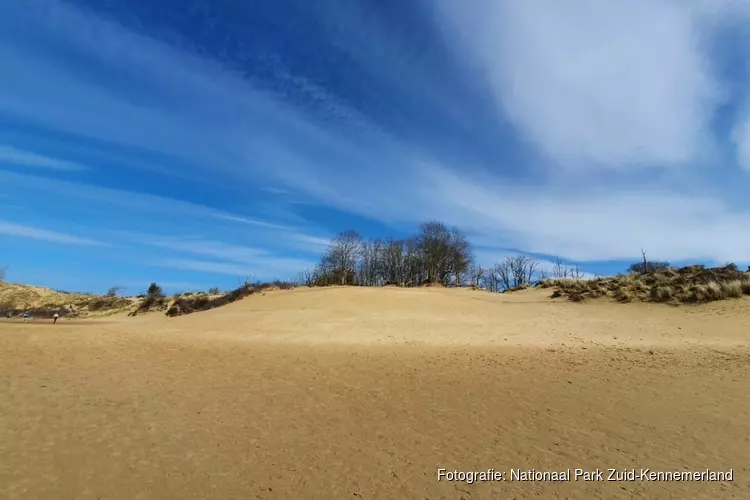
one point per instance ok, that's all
(435, 255)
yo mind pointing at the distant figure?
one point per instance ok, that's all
(25, 316)
(10, 314)
(54, 318)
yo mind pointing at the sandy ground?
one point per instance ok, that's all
(366, 393)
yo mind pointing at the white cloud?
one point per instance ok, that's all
(236, 259)
(488, 258)
(603, 84)
(20, 231)
(741, 138)
(224, 251)
(16, 156)
(596, 83)
(213, 116)
(305, 242)
(232, 259)
(53, 189)
(589, 224)
(262, 268)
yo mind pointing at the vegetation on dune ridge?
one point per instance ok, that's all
(189, 303)
(44, 302)
(663, 284)
(436, 256)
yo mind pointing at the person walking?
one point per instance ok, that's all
(54, 318)
(25, 316)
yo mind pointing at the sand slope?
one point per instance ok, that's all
(365, 393)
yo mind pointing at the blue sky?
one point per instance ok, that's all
(194, 142)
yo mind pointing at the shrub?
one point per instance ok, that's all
(647, 267)
(214, 291)
(203, 302)
(154, 291)
(100, 303)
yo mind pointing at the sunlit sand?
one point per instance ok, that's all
(367, 392)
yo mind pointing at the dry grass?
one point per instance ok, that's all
(188, 304)
(732, 289)
(44, 302)
(691, 284)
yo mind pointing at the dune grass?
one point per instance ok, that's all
(686, 285)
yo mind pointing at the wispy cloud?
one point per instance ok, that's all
(314, 244)
(741, 139)
(215, 249)
(15, 156)
(288, 253)
(232, 259)
(597, 88)
(127, 200)
(134, 287)
(487, 258)
(263, 268)
(20, 231)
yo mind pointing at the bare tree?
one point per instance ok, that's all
(476, 273)
(243, 281)
(503, 273)
(435, 246)
(393, 263)
(492, 279)
(370, 266)
(305, 278)
(342, 257)
(576, 273)
(413, 263)
(647, 265)
(461, 257)
(516, 271)
(435, 255)
(559, 270)
(524, 268)
(322, 275)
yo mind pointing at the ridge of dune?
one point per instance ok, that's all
(448, 316)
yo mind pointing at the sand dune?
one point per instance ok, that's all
(366, 393)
